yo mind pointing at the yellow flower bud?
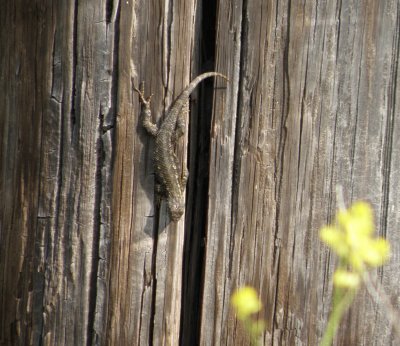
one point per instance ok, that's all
(246, 302)
(345, 279)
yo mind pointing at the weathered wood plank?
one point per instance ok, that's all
(59, 62)
(313, 112)
(148, 251)
(311, 104)
(215, 302)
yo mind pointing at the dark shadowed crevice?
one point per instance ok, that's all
(109, 10)
(197, 189)
(96, 232)
(388, 137)
(105, 147)
(237, 154)
(74, 65)
(154, 278)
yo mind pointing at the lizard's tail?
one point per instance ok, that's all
(193, 84)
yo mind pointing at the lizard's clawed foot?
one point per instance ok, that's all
(142, 98)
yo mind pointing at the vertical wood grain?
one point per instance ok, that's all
(313, 112)
(56, 161)
(146, 268)
(85, 258)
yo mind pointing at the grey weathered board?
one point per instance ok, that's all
(311, 104)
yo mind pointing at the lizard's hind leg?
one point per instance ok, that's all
(184, 178)
(181, 122)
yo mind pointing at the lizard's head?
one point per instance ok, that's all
(176, 208)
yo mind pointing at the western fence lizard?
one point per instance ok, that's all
(170, 184)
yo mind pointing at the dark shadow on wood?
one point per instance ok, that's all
(197, 189)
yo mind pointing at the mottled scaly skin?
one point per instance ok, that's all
(170, 183)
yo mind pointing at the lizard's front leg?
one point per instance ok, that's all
(147, 123)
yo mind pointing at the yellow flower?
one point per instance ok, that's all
(376, 253)
(246, 302)
(358, 219)
(351, 238)
(346, 279)
(335, 239)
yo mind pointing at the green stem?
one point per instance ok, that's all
(341, 304)
(248, 323)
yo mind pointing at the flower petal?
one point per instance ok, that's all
(246, 302)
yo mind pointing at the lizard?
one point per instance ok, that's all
(169, 183)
